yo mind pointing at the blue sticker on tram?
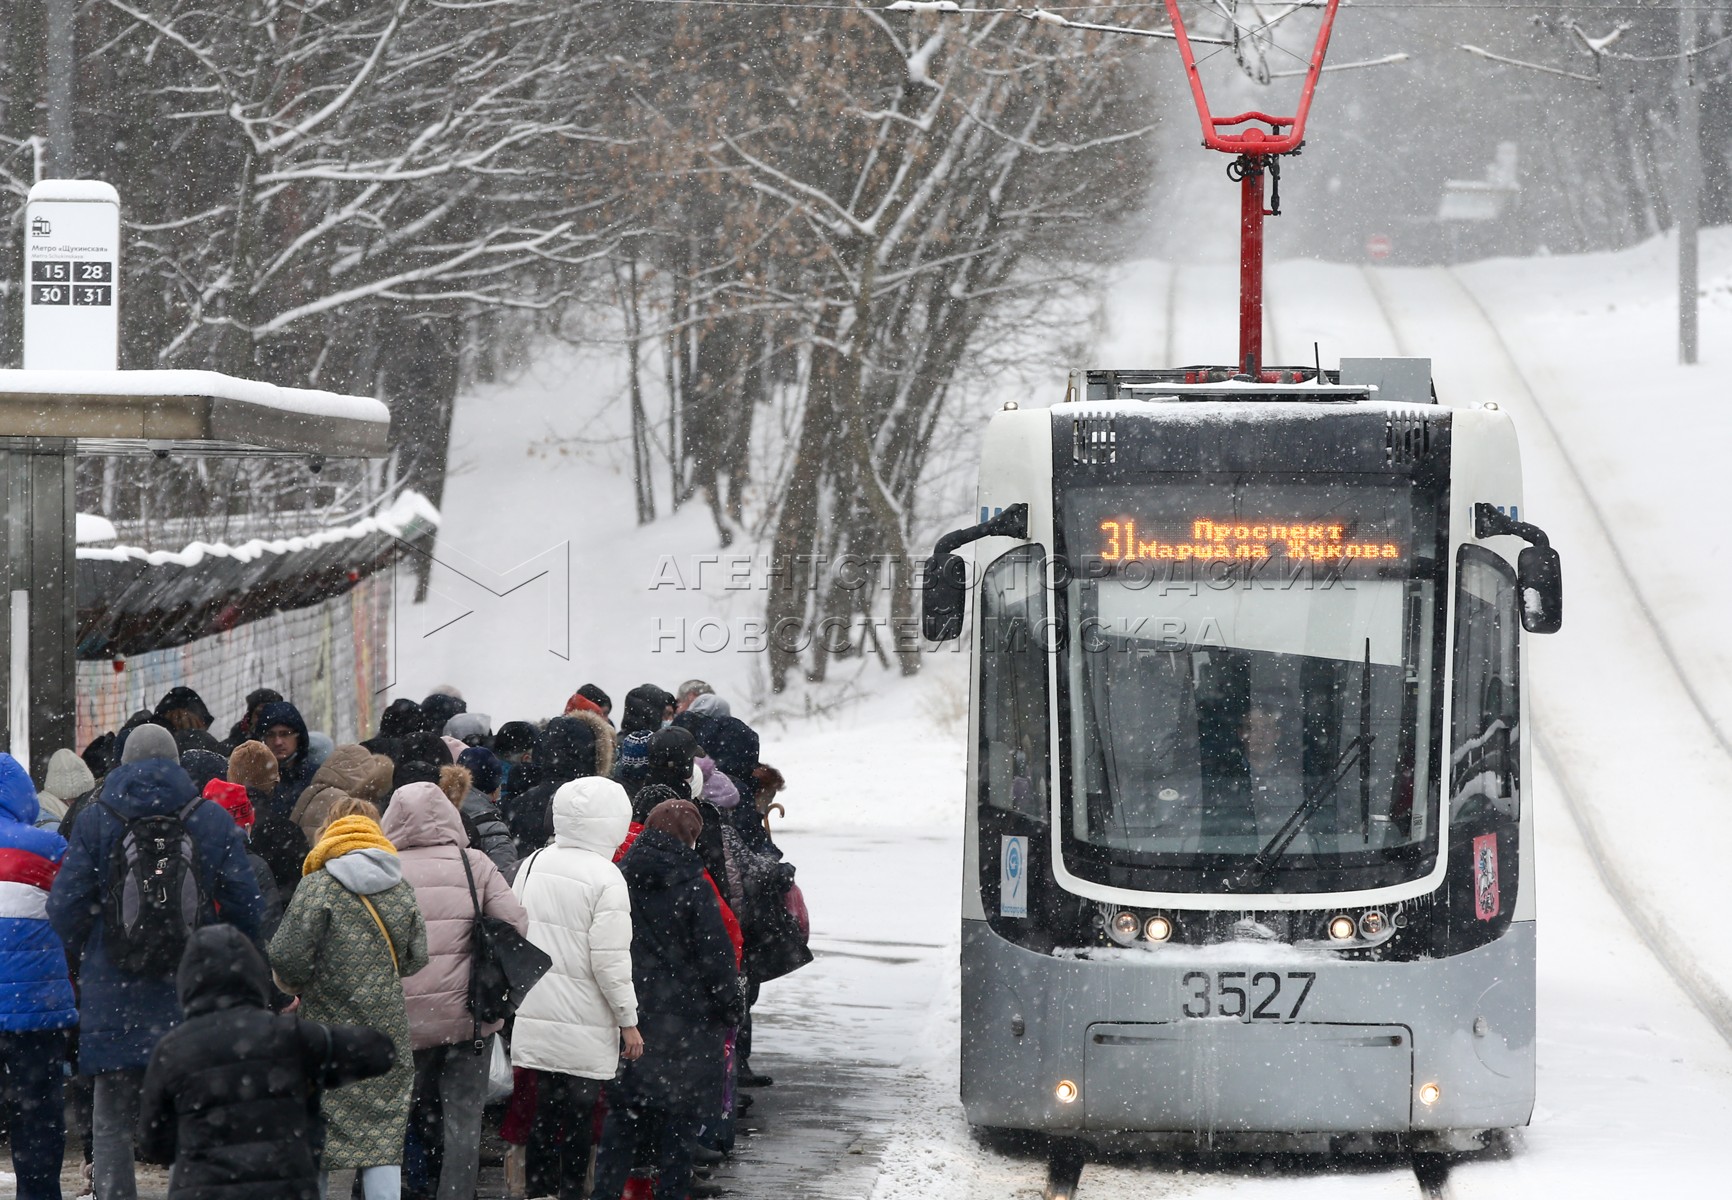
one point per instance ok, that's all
(1013, 877)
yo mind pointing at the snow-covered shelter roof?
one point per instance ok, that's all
(118, 412)
(132, 600)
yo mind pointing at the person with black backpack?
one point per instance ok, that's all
(149, 862)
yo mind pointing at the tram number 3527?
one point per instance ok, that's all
(1248, 995)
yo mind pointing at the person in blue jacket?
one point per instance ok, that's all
(121, 1015)
(36, 1004)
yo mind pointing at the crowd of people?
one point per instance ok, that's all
(254, 957)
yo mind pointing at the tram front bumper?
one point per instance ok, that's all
(1252, 1039)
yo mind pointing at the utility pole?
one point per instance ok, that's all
(59, 71)
(1689, 175)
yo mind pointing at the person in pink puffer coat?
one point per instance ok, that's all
(451, 1058)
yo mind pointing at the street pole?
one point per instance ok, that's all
(1689, 174)
(60, 68)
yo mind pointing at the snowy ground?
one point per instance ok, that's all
(1620, 446)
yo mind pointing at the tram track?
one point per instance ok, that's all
(1070, 1174)
(1667, 947)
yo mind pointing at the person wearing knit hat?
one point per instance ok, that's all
(253, 767)
(578, 702)
(232, 798)
(67, 781)
(277, 839)
(470, 728)
(481, 808)
(439, 708)
(203, 766)
(147, 742)
(709, 705)
(679, 818)
(631, 768)
(351, 933)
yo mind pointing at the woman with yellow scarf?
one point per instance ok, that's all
(350, 934)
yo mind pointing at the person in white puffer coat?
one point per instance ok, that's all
(581, 1018)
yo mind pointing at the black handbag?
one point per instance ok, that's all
(504, 964)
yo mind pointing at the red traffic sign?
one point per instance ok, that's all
(1378, 247)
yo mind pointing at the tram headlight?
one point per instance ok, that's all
(1065, 1092)
(1372, 924)
(1342, 928)
(1157, 929)
(1429, 1094)
(1125, 926)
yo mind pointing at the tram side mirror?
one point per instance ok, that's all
(1540, 580)
(944, 581)
(943, 593)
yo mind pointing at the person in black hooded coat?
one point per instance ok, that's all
(247, 728)
(647, 707)
(688, 994)
(295, 768)
(733, 746)
(400, 719)
(567, 752)
(439, 708)
(231, 1096)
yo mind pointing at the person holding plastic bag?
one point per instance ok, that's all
(451, 1050)
(580, 1020)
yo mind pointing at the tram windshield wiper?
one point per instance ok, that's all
(1357, 751)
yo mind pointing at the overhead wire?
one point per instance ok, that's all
(1430, 5)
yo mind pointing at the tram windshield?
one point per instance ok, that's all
(1249, 683)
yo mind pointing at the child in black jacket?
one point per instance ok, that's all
(232, 1095)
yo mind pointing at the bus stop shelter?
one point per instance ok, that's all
(47, 418)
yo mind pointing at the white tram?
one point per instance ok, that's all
(1247, 849)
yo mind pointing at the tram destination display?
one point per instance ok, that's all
(1328, 525)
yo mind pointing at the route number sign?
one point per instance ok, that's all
(72, 269)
